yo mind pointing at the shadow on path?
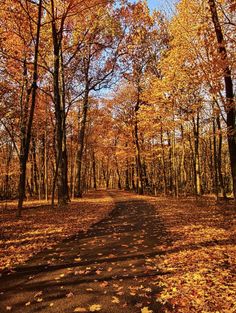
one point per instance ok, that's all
(109, 266)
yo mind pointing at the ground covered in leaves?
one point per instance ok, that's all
(148, 255)
(42, 227)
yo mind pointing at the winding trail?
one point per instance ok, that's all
(108, 266)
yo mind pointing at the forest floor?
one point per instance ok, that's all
(117, 252)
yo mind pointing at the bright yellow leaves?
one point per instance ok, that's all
(95, 308)
(79, 309)
(91, 308)
(146, 310)
(115, 300)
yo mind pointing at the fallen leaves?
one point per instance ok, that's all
(146, 310)
(201, 243)
(95, 308)
(79, 309)
(69, 295)
(191, 246)
(115, 300)
(42, 228)
(39, 293)
(39, 299)
(104, 284)
(92, 308)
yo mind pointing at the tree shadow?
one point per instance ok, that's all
(114, 251)
(115, 258)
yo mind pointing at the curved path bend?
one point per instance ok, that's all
(108, 269)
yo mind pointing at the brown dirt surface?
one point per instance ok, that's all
(147, 255)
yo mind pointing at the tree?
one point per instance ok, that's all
(27, 13)
(229, 103)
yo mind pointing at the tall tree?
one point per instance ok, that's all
(229, 103)
(27, 112)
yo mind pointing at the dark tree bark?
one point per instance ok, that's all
(197, 175)
(27, 121)
(81, 140)
(35, 168)
(127, 176)
(7, 191)
(229, 92)
(170, 163)
(94, 171)
(215, 171)
(219, 158)
(163, 164)
(140, 187)
(60, 115)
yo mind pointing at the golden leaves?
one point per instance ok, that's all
(200, 280)
(115, 300)
(79, 309)
(33, 227)
(146, 310)
(95, 308)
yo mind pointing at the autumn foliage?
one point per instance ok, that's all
(101, 94)
(154, 92)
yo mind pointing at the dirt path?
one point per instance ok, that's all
(112, 268)
(108, 266)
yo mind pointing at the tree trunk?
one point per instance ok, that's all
(127, 175)
(216, 190)
(140, 187)
(94, 172)
(229, 92)
(163, 164)
(35, 168)
(26, 130)
(170, 163)
(196, 155)
(59, 102)
(219, 158)
(81, 141)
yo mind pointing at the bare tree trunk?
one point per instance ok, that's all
(94, 171)
(229, 92)
(7, 192)
(219, 158)
(140, 187)
(81, 140)
(174, 166)
(132, 177)
(46, 166)
(163, 163)
(183, 174)
(59, 102)
(35, 168)
(170, 163)
(127, 176)
(216, 190)
(196, 155)
(26, 130)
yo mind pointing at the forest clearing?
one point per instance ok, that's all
(117, 156)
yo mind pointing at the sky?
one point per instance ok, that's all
(165, 5)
